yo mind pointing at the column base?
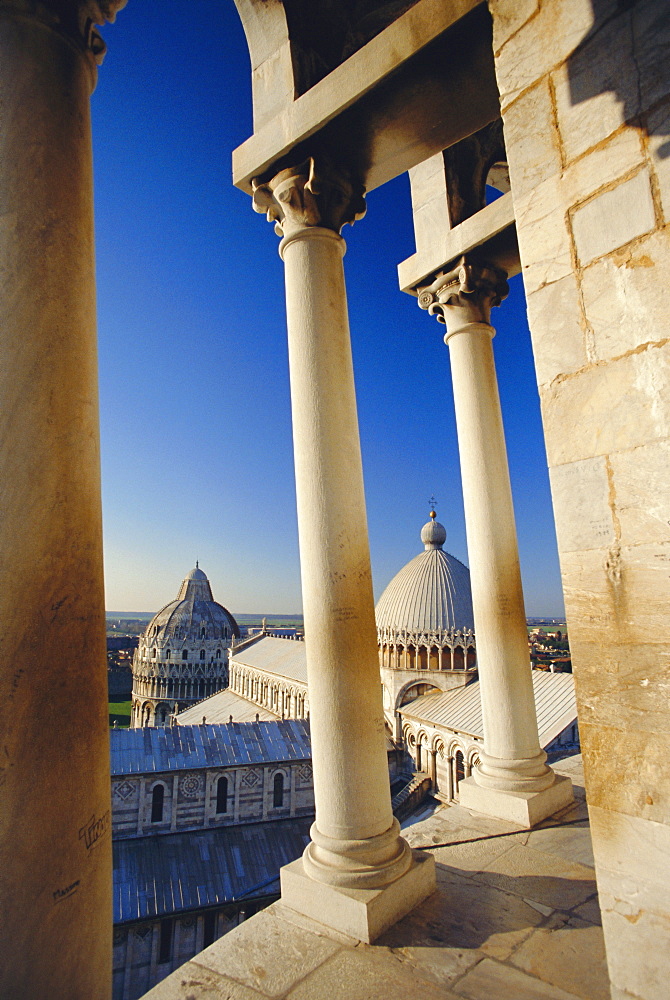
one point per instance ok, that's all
(363, 914)
(524, 808)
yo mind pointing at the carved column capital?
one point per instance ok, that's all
(311, 194)
(77, 19)
(464, 295)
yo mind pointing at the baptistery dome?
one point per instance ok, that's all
(194, 614)
(425, 626)
(431, 593)
(183, 655)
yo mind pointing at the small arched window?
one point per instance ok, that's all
(168, 654)
(202, 654)
(218, 654)
(221, 796)
(278, 791)
(153, 653)
(184, 654)
(203, 633)
(460, 767)
(157, 797)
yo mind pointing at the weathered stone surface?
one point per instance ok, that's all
(630, 681)
(508, 18)
(283, 960)
(193, 982)
(546, 878)
(489, 979)
(544, 241)
(473, 857)
(621, 591)
(466, 915)
(596, 89)
(580, 492)
(441, 965)
(573, 843)
(634, 900)
(614, 218)
(604, 164)
(544, 42)
(556, 329)
(626, 770)
(650, 29)
(533, 153)
(659, 148)
(639, 385)
(641, 497)
(589, 911)
(556, 954)
(355, 974)
(620, 300)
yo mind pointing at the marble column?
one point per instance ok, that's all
(356, 843)
(55, 820)
(513, 780)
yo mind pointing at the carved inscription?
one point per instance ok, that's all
(96, 828)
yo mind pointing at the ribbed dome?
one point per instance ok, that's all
(194, 609)
(431, 593)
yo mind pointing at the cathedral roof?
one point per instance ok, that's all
(194, 607)
(431, 593)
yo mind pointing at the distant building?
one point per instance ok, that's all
(203, 817)
(182, 656)
(425, 626)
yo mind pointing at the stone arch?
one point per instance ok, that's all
(416, 682)
(272, 77)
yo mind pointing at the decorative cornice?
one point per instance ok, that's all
(445, 638)
(465, 294)
(309, 195)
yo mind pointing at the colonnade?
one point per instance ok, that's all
(290, 701)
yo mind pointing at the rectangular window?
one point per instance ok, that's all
(209, 935)
(165, 946)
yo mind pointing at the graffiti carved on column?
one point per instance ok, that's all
(310, 194)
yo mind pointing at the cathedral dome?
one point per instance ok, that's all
(194, 614)
(431, 593)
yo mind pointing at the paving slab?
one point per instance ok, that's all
(590, 910)
(441, 965)
(546, 878)
(465, 916)
(567, 953)
(571, 842)
(268, 954)
(370, 974)
(491, 981)
(193, 982)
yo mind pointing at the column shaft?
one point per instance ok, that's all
(55, 823)
(352, 794)
(505, 679)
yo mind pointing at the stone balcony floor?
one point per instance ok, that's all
(515, 917)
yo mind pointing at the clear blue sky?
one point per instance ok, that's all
(196, 431)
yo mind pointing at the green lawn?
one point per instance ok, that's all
(119, 712)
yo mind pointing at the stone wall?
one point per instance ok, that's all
(585, 96)
(190, 798)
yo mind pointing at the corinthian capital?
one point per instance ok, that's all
(75, 18)
(465, 294)
(310, 194)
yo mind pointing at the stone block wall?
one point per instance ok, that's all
(585, 94)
